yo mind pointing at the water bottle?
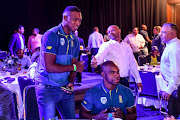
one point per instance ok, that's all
(110, 116)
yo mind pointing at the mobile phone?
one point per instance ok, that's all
(63, 87)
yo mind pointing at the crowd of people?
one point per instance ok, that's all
(55, 56)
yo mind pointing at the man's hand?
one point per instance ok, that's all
(118, 113)
(68, 89)
(170, 118)
(140, 87)
(102, 115)
(165, 96)
(80, 66)
(93, 62)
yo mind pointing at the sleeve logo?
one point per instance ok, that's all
(48, 47)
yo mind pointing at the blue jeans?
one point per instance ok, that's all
(51, 97)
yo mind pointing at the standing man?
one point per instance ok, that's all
(17, 41)
(57, 67)
(120, 53)
(170, 68)
(156, 41)
(94, 42)
(148, 42)
(34, 40)
(136, 41)
(107, 94)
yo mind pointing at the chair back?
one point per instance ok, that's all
(149, 85)
(141, 60)
(16, 104)
(23, 82)
(30, 103)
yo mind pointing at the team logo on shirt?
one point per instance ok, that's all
(103, 100)
(62, 41)
(120, 99)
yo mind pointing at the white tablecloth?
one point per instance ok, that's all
(14, 86)
(161, 86)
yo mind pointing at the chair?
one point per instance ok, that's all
(23, 83)
(149, 87)
(16, 104)
(141, 60)
(30, 103)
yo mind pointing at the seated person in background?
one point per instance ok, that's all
(152, 58)
(7, 109)
(24, 60)
(35, 55)
(109, 93)
(32, 69)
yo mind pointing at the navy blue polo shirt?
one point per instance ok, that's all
(99, 98)
(65, 47)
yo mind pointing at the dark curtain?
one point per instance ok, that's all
(149, 12)
(45, 14)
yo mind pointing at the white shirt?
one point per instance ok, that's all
(25, 61)
(22, 42)
(135, 41)
(170, 64)
(121, 54)
(95, 40)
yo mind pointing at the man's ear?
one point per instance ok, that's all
(102, 74)
(65, 17)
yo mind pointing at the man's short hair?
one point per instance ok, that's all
(70, 9)
(95, 28)
(158, 28)
(19, 27)
(37, 30)
(136, 27)
(173, 26)
(107, 63)
(20, 50)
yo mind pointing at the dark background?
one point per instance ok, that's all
(45, 14)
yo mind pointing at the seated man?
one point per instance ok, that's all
(152, 58)
(109, 93)
(24, 60)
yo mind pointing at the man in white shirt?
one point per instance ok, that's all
(34, 40)
(94, 42)
(120, 53)
(24, 60)
(170, 67)
(136, 41)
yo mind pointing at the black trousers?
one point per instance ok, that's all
(124, 81)
(174, 103)
(136, 55)
(94, 51)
